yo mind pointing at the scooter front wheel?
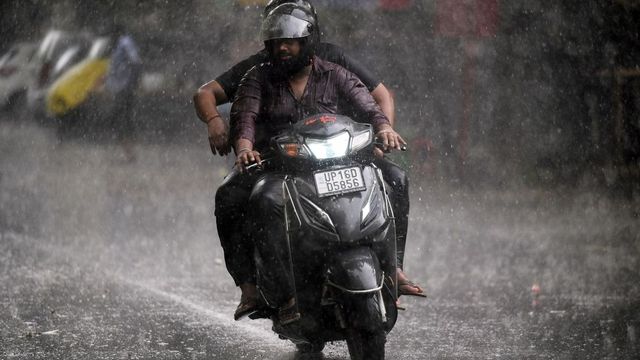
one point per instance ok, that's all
(310, 348)
(366, 336)
(365, 345)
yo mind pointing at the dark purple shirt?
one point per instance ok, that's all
(230, 79)
(266, 101)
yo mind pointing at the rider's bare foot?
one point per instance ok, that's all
(248, 301)
(407, 287)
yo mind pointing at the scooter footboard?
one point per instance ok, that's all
(356, 271)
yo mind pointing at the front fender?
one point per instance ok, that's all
(355, 271)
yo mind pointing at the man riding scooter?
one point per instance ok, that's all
(291, 86)
(233, 194)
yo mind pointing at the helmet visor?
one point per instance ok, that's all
(283, 26)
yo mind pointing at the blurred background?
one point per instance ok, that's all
(523, 92)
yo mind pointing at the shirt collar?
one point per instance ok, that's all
(320, 65)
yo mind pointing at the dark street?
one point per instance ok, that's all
(113, 260)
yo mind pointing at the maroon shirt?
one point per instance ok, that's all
(266, 101)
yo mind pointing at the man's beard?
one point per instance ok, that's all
(292, 65)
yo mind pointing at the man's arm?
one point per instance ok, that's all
(218, 92)
(206, 101)
(357, 94)
(384, 99)
(380, 93)
(244, 112)
(207, 98)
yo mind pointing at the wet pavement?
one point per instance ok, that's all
(103, 258)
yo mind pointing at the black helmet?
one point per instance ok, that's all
(272, 4)
(290, 21)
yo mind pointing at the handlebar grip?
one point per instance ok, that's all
(255, 165)
(381, 145)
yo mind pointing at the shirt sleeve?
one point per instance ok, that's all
(336, 54)
(246, 107)
(230, 79)
(355, 93)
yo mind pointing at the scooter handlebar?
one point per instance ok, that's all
(381, 146)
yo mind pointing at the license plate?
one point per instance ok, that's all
(339, 181)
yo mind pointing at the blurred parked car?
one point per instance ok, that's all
(17, 67)
(81, 80)
(58, 51)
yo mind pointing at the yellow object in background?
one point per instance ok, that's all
(75, 86)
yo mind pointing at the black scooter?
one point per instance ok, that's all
(341, 235)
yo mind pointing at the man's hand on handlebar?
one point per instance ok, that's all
(247, 157)
(390, 139)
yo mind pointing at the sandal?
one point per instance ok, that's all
(288, 313)
(409, 288)
(246, 307)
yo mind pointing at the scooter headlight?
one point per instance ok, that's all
(329, 148)
(361, 140)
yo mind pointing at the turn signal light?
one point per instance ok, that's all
(291, 149)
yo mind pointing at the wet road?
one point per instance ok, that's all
(110, 259)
